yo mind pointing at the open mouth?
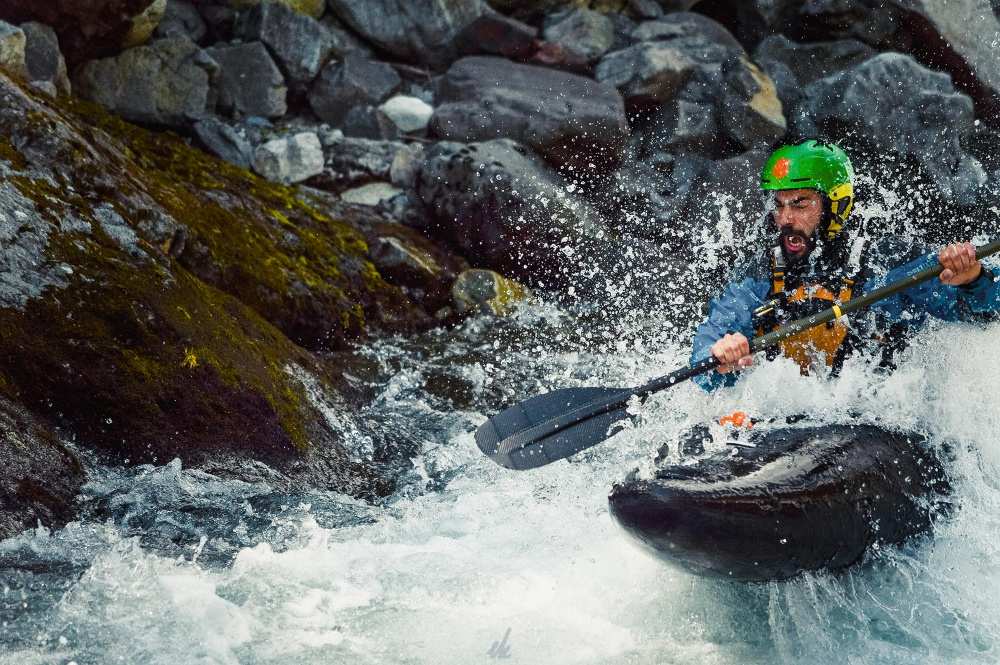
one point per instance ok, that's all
(794, 243)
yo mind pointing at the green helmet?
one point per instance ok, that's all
(814, 165)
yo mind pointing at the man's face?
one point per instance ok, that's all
(798, 213)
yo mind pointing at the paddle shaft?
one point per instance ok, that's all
(621, 399)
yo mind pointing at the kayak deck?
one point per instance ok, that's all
(802, 499)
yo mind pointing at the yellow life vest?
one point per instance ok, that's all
(818, 344)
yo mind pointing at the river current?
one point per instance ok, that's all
(471, 563)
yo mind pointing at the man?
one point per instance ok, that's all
(817, 262)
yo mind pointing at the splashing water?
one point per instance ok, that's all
(468, 560)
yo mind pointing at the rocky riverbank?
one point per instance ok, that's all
(206, 203)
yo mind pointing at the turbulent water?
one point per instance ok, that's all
(468, 562)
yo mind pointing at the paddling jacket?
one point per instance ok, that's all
(768, 294)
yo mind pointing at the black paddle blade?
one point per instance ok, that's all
(577, 418)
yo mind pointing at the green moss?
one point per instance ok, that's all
(12, 155)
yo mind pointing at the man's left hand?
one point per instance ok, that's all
(959, 263)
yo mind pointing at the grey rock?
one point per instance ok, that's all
(401, 262)
(219, 19)
(117, 229)
(351, 162)
(12, 46)
(168, 82)
(372, 194)
(963, 38)
(250, 83)
(224, 141)
(409, 115)
(44, 61)
(41, 477)
(567, 118)
(868, 22)
(290, 159)
(300, 44)
(648, 72)
(26, 271)
(486, 292)
(492, 33)
(357, 81)
(363, 122)
(507, 211)
(897, 103)
(812, 60)
(646, 9)
(341, 40)
(588, 33)
(699, 37)
(420, 31)
(181, 19)
(751, 112)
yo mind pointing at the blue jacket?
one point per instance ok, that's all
(733, 310)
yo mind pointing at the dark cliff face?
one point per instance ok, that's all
(160, 303)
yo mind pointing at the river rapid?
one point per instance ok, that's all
(470, 563)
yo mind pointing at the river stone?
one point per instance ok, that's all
(168, 82)
(341, 40)
(350, 162)
(894, 101)
(792, 65)
(12, 49)
(290, 159)
(182, 19)
(299, 43)
(492, 33)
(249, 83)
(485, 97)
(751, 112)
(311, 8)
(224, 141)
(486, 292)
(43, 59)
(419, 31)
(410, 115)
(357, 81)
(584, 31)
(145, 24)
(699, 37)
(399, 261)
(41, 477)
(647, 73)
(371, 194)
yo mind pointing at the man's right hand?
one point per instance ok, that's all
(733, 353)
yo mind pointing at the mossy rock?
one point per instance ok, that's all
(152, 298)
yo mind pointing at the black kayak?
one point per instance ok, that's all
(801, 499)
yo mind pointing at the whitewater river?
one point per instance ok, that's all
(470, 563)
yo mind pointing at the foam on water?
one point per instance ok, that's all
(468, 556)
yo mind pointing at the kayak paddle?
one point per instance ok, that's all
(553, 426)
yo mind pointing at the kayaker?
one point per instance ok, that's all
(817, 260)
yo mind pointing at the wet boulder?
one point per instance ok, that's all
(249, 81)
(12, 49)
(587, 33)
(289, 159)
(356, 82)
(568, 119)
(41, 477)
(181, 19)
(169, 82)
(300, 44)
(750, 111)
(162, 302)
(492, 33)
(792, 65)
(896, 103)
(420, 31)
(486, 292)
(351, 162)
(404, 115)
(43, 59)
(648, 73)
(224, 141)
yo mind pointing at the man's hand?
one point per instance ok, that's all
(733, 353)
(960, 264)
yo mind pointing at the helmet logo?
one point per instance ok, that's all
(781, 167)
